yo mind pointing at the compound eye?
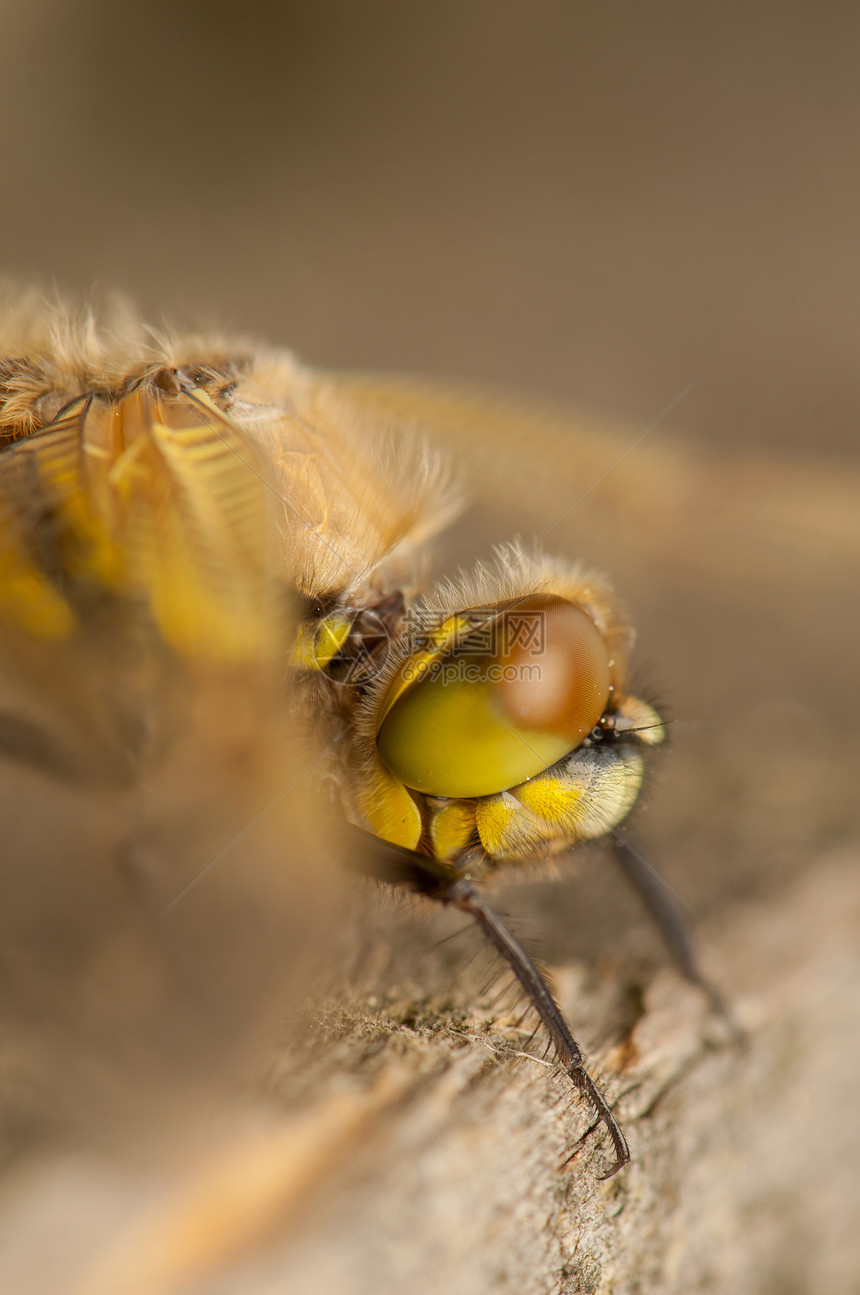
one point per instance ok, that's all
(502, 706)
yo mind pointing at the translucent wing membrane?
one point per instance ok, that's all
(145, 500)
(145, 729)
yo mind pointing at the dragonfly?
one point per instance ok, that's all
(212, 591)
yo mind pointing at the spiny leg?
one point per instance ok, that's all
(656, 896)
(398, 866)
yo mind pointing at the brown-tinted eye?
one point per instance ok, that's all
(559, 676)
(510, 700)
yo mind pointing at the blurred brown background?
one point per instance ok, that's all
(597, 201)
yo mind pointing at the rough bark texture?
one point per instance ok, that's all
(425, 1163)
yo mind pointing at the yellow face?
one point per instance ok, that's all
(502, 728)
(254, 515)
